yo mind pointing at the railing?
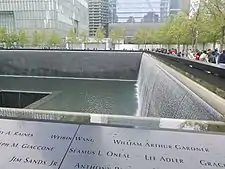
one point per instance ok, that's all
(208, 72)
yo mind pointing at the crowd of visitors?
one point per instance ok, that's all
(211, 56)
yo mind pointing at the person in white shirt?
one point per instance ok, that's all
(190, 54)
(204, 57)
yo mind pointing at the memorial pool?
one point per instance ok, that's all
(78, 95)
(77, 120)
(145, 87)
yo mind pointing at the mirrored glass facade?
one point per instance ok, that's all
(138, 11)
(179, 5)
(58, 15)
(164, 9)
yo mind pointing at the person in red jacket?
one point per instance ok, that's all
(173, 51)
(197, 55)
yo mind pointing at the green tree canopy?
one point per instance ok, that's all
(54, 39)
(141, 36)
(206, 25)
(120, 32)
(72, 36)
(113, 36)
(22, 37)
(3, 35)
(36, 38)
(117, 34)
(84, 37)
(44, 37)
(178, 28)
(216, 10)
(209, 31)
(100, 34)
(11, 38)
(163, 35)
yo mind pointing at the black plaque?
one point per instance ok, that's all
(26, 145)
(96, 147)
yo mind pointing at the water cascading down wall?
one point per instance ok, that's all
(159, 94)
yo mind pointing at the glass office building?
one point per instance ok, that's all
(179, 5)
(138, 11)
(164, 9)
(171, 7)
(112, 11)
(58, 15)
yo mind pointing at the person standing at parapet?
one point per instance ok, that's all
(190, 54)
(204, 57)
(221, 59)
(216, 54)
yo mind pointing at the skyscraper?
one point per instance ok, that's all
(112, 11)
(169, 7)
(98, 15)
(150, 17)
(179, 5)
(133, 10)
(164, 9)
(57, 15)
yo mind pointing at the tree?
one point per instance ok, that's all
(141, 36)
(178, 27)
(100, 34)
(54, 39)
(72, 36)
(216, 9)
(44, 37)
(116, 35)
(22, 37)
(36, 38)
(84, 38)
(208, 33)
(211, 33)
(205, 26)
(151, 37)
(163, 36)
(193, 25)
(113, 36)
(11, 38)
(3, 35)
(120, 32)
(186, 38)
(174, 31)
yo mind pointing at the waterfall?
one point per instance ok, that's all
(160, 94)
(145, 84)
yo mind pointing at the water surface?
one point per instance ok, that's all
(80, 95)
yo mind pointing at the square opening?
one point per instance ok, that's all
(19, 99)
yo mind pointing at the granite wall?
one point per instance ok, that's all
(162, 95)
(85, 64)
